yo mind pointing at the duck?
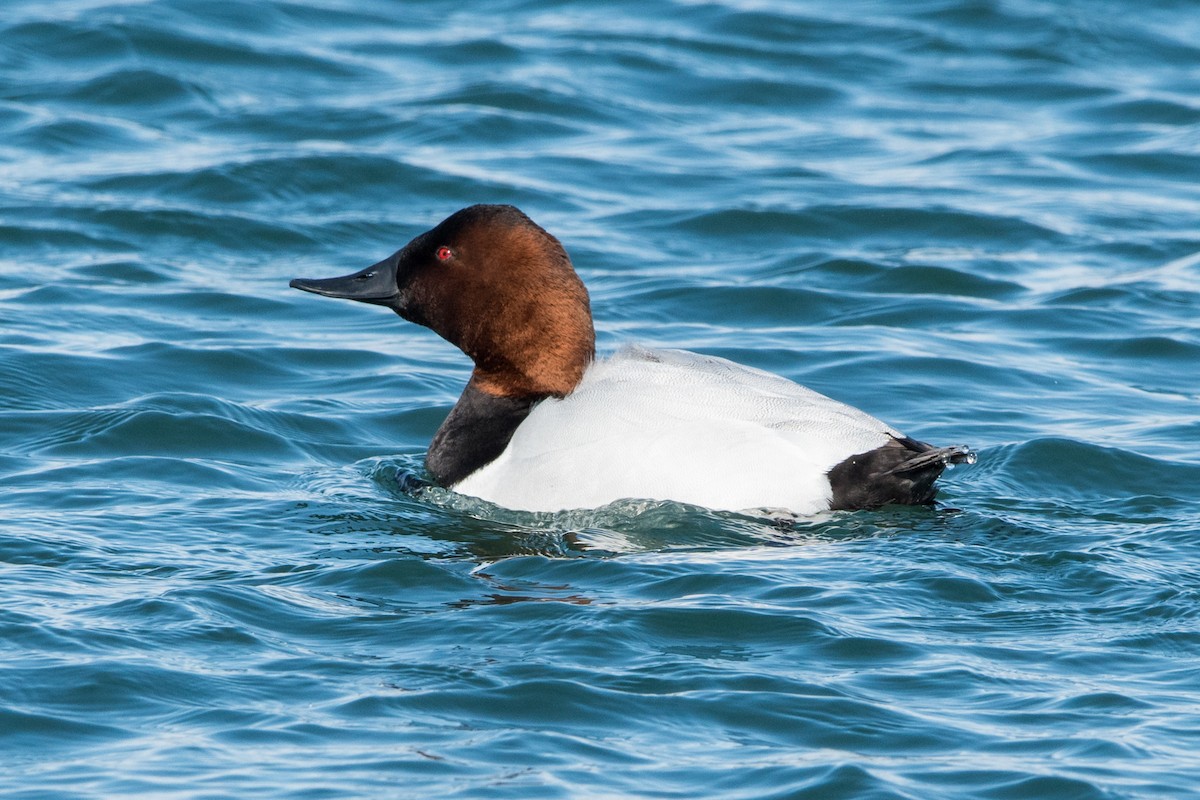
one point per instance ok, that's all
(543, 425)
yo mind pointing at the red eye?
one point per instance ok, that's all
(443, 253)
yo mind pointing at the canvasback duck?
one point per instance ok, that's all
(544, 426)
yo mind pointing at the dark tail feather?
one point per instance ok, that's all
(934, 458)
(902, 471)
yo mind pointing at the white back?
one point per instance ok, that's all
(674, 425)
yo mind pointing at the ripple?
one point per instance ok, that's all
(1145, 111)
(28, 732)
(1077, 469)
(915, 280)
(69, 135)
(141, 87)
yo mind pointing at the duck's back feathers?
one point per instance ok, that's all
(673, 425)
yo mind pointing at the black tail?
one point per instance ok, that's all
(902, 471)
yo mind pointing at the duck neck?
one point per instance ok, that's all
(534, 369)
(476, 432)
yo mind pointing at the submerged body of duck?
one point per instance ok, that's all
(542, 426)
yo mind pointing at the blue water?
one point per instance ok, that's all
(976, 219)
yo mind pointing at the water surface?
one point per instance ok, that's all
(976, 220)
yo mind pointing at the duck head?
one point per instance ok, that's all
(495, 284)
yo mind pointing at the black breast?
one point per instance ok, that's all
(477, 430)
